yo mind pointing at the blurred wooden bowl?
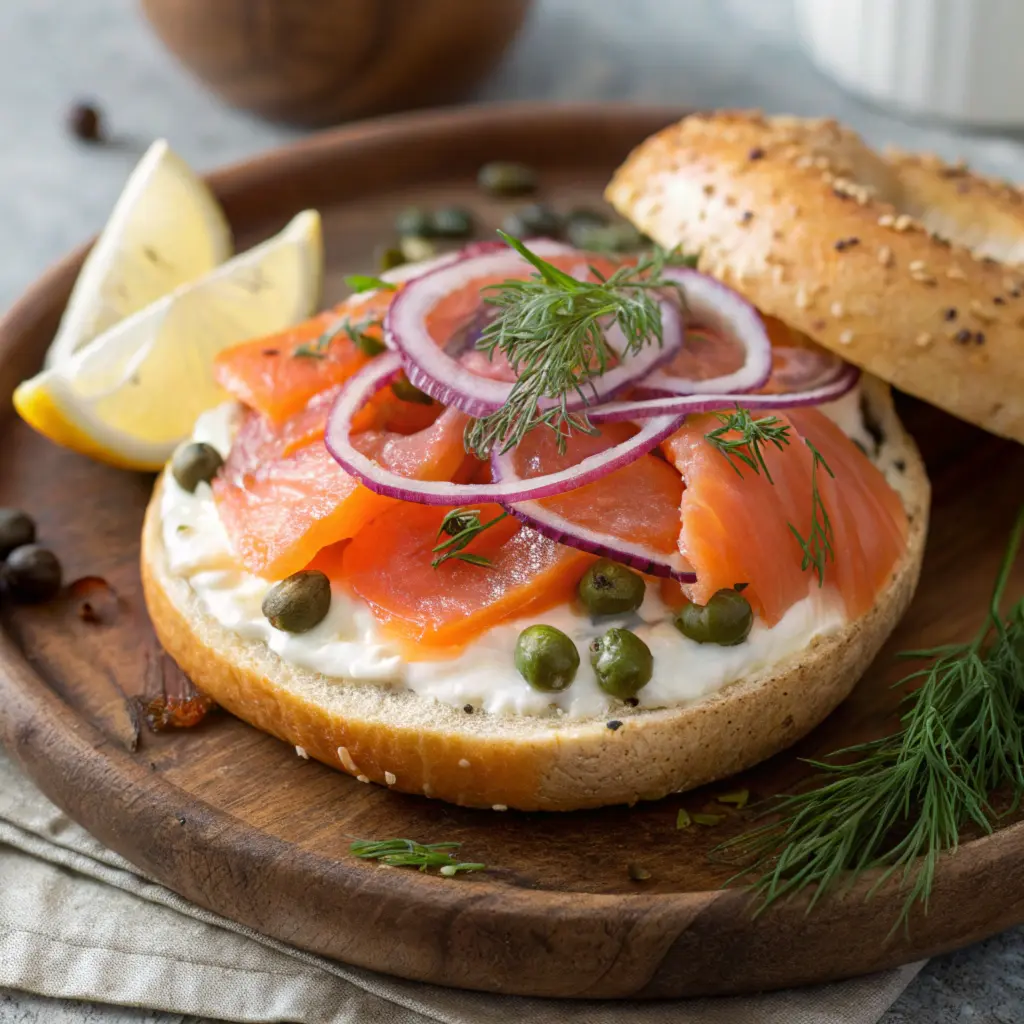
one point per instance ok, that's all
(316, 62)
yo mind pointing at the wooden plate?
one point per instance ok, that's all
(233, 820)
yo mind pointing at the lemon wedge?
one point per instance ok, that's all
(131, 395)
(166, 229)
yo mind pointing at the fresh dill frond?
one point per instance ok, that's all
(403, 853)
(894, 805)
(817, 547)
(462, 526)
(553, 330)
(356, 333)
(369, 283)
(743, 438)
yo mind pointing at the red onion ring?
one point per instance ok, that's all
(441, 375)
(377, 374)
(682, 405)
(556, 526)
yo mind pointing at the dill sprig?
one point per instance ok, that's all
(742, 437)
(553, 331)
(893, 805)
(402, 853)
(369, 283)
(817, 547)
(461, 526)
(355, 332)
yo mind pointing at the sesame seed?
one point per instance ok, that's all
(979, 338)
(746, 216)
(902, 222)
(757, 153)
(886, 220)
(614, 724)
(709, 189)
(468, 708)
(956, 274)
(346, 759)
(499, 807)
(963, 336)
(301, 751)
(803, 300)
(916, 266)
(846, 243)
(923, 340)
(362, 778)
(979, 312)
(949, 314)
(390, 778)
(846, 337)
(999, 300)
(885, 256)
(463, 763)
(836, 309)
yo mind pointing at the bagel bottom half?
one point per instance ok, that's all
(398, 739)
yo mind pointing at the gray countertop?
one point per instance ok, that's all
(54, 192)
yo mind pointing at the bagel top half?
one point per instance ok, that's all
(904, 266)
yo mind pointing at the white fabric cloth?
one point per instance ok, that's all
(78, 921)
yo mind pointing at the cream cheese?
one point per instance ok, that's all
(348, 643)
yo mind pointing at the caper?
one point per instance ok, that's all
(451, 222)
(16, 529)
(32, 573)
(194, 464)
(609, 588)
(390, 257)
(298, 603)
(402, 388)
(503, 178)
(622, 662)
(546, 658)
(532, 221)
(580, 215)
(413, 221)
(416, 247)
(621, 237)
(726, 619)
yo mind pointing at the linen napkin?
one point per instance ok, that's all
(78, 921)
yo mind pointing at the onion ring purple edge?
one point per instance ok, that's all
(376, 375)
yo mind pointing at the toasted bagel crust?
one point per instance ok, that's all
(395, 738)
(891, 264)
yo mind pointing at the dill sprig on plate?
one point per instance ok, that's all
(742, 439)
(893, 805)
(407, 853)
(552, 329)
(461, 526)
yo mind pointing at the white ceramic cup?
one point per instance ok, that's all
(960, 60)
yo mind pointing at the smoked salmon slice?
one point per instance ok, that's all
(388, 565)
(736, 524)
(282, 502)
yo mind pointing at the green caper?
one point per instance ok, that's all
(620, 237)
(451, 222)
(726, 619)
(609, 588)
(532, 221)
(194, 464)
(413, 221)
(390, 257)
(416, 247)
(503, 178)
(31, 573)
(622, 662)
(16, 529)
(408, 392)
(298, 603)
(546, 658)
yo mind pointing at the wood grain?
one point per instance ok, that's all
(235, 821)
(318, 62)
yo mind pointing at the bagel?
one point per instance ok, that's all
(905, 266)
(398, 739)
